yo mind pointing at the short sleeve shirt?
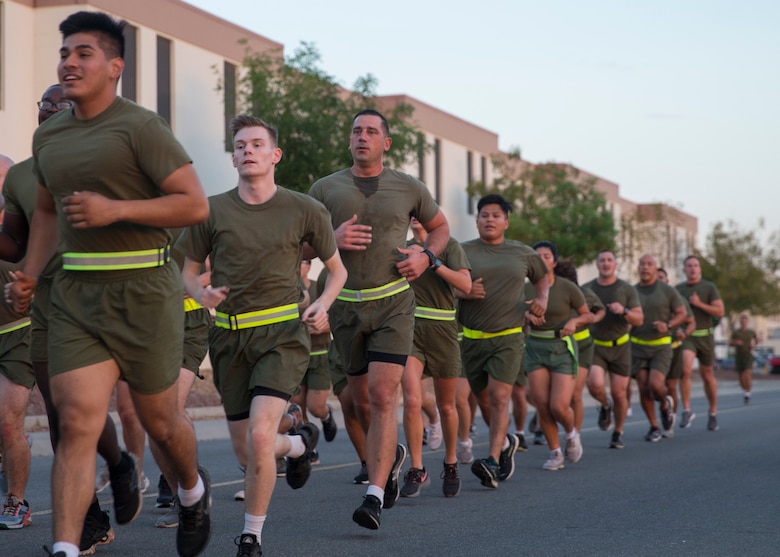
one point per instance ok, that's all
(659, 302)
(707, 292)
(747, 336)
(565, 296)
(430, 290)
(612, 327)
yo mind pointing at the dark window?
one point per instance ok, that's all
(469, 181)
(164, 78)
(483, 171)
(230, 102)
(421, 157)
(130, 73)
(437, 170)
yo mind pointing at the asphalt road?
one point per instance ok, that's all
(700, 494)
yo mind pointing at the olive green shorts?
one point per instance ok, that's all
(614, 359)
(552, 354)
(197, 323)
(338, 375)
(364, 331)
(658, 358)
(15, 357)
(586, 348)
(704, 348)
(743, 362)
(317, 375)
(499, 358)
(39, 317)
(436, 346)
(676, 366)
(271, 358)
(132, 317)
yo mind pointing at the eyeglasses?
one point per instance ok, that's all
(62, 105)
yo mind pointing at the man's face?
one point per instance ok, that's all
(54, 97)
(662, 276)
(84, 71)
(492, 221)
(606, 264)
(692, 269)
(254, 152)
(547, 256)
(743, 322)
(368, 142)
(647, 269)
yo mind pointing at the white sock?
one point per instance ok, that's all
(376, 491)
(188, 497)
(572, 434)
(506, 443)
(467, 443)
(69, 549)
(254, 525)
(297, 446)
(747, 394)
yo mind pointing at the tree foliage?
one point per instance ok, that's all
(314, 114)
(553, 203)
(745, 272)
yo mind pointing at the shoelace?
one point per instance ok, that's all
(450, 472)
(414, 475)
(11, 508)
(246, 545)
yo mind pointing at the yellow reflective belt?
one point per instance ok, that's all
(460, 336)
(655, 342)
(318, 352)
(15, 325)
(472, 334)
(116, 260)
(609, 343)
(582, 335)
(370, 294)
(568, 339)
(191, 305)
(676, 344)
(435, 314)
(543, 334)
(257, 318)
(702, 332)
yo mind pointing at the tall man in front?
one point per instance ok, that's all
(706, 303)
(373, 319)
(116, 308)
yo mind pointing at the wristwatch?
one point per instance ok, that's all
(431, 257)
(625, 310)
(436, 265)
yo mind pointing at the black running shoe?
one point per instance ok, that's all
(329, 427)
(667, 414)
(367, 514)
(362, 477)
(248, 546)
(299, 468)
(617, 440)
(605, 417)
(124, 486)
(392, 490)
(522, 446)
(164, 494)
(451, 484)
(486, 469)
(194, 530)
(506, 460)
(95, 532)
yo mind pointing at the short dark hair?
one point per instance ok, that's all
(696, 257)
(372, 112)
(566, 269)
(109, 30)
(246, 121)
(607, 250)
(662, 270)
(495, 199)
(549, 245)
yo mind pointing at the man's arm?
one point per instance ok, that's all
(538, 306)
(207, 296)
(417, 261)
(316, 315)
(13, 237)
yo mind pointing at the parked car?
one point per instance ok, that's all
(774, 365)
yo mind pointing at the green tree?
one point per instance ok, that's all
(314, 114)
(552, 202)
(744, 270)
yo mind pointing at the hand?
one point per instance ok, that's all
(534, 320)
(86, 209)
(661, 326)
(568, 328)
(316, 318)
(211, 297)
(415, 264)
(477, 290)
(19, 293)
(616, 307)
(351, 236)
(695, 300)
(537, 306)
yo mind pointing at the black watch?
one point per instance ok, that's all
(431, 257)
(437, 264)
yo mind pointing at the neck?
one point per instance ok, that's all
(84, 110)
(694, 280)
(497, 241)
(369, 171)
(256, 190)
(648, 283)
(606, 281)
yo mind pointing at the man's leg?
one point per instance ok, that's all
(685, 381)
(462, 395)
(411, 384)
(355, 431)
(710, 387)
(133, 433)
(264, 444)
(577, 406)
(498, 394)
(596, 383)
(646, 397)
(746, 382)
(382, 381)
(519, 407)
(15, 450)
(445, 400)
(618, 386)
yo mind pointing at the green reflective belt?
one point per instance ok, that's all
(257, 318)
(435, 314)
(702, 332)
(609, 343)
(370, 294)
(655, 342)
(15, 325)
(116, 260)
(582, 335)
(544, 334)
(568, 339)
(191, 305)
(472, 334)
(460, 336)
(318, 352)
(676, 344)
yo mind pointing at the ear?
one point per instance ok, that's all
(388, 143)
(277, 155)
(117, 67)
(233, 158)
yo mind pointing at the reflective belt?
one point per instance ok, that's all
(549, 335)
(655, 342)
(257, 318)
(460, 336)
(191, 305)
(370, 294)
(676, 344)
(609, 343)
(472, 334)
(544, 334)
(116, 260)
(582, 335)
(15, 325)
(319, 352)
(435, 314)
(702, 332)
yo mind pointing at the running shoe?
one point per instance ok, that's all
(248, 546)
(239, 495)
(314, 457)
(435, 436)
(451, 480)
(95, 532)
(539, 438)
(126, 491)
(367, 514)
(362, 477)
(281, 467)
(299, 468)
(486, 469)
(574, 448)
(414, 480)
(165, 498)
(473, 430)
(522, 446)
(687, 419)
(605, 417)
(746, 399)
(712, 422)
(15, 515)
(533, 424)
(506, 460)
(464, 454)
(392, 490)
(555, 462)
(194, 529)
(329, 427)
(297, 417)
(667, 416)
(654, 435)
(169, 519)
(103, 479)
(617, 440)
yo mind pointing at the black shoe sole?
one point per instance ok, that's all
(194, 549)
(481, 471)
(365, 518)
(392, 490)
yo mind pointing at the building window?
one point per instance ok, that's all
(483, 171)
(130, 73)
(469, 181)
(421, 157)
(437, 170)
(164, 78)
(230, 102)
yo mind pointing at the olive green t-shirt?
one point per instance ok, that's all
(503, 269)
(256, 249)
(659, 302)
(125, 152)
(386, 203)
(592, 301)
(747, 336)
(432, 291)
(565, 296)
(707, 292)
(612, 327)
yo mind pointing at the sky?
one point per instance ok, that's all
(677, 101)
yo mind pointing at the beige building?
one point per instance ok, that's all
(177, 55)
